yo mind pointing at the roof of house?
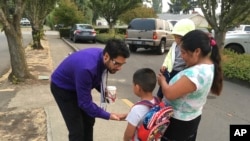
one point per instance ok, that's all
(168, 16)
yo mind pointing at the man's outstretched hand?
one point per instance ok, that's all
(114, 116)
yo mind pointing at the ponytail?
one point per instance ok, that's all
(218, 76)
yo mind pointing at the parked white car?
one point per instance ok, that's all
(238, 42)
(24, 22)
(240, 29)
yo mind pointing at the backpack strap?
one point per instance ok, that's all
(148, 103)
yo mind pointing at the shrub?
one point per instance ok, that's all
(118, 30)
(101, 30)
(64, 32)
(236, 66)
(67, 13)
(104, 37)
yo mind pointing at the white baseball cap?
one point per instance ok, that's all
(183, 26)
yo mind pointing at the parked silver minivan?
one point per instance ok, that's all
(149, 33)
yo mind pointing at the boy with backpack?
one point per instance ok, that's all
(148, 118)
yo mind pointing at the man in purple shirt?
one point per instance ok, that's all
(74, 79)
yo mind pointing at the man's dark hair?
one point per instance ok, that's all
(115, 48)
(145, 78)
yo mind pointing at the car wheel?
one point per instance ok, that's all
(94, 40)
(161, 48)
(235, 48)
(132, 48)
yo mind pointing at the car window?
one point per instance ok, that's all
(173, 22)
(247, 28)
(88, 27)
(142, 24)
(85, 27)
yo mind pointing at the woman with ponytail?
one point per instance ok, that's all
(188, 90)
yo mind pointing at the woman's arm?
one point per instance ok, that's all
(180, 88)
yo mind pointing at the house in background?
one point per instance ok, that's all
(101, 22)
(199, 20)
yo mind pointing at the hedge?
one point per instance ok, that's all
(64, 32)
(236, 66)
(103, 38)
(120, 31)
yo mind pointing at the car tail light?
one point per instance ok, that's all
(93, 32)
(154, 36)
(77, 31)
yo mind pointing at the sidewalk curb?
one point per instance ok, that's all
(49, 130)
(74, 48)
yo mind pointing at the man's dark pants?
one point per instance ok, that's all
(79, 124)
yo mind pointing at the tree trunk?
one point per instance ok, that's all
(111, 29)
(219, 37)
(36, 35)
(19, 65)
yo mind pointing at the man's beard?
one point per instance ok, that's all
(111, 71)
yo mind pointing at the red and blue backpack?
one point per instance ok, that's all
(155, 121)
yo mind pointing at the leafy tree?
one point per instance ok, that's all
(231, 13)
(87, 12)
(157, 5)
(49, 21)
(67, 13)
(36, 11)
(182, 5)
(11, 12)
(138, 12)
(112, 9)
(247, 21)
(176, 6)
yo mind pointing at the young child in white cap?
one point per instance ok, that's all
(173, 62)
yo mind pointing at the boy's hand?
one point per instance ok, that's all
(122, 116)
(163, 69)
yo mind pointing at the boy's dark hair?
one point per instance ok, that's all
(145, 78)
(115, 48)
(199, 39)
